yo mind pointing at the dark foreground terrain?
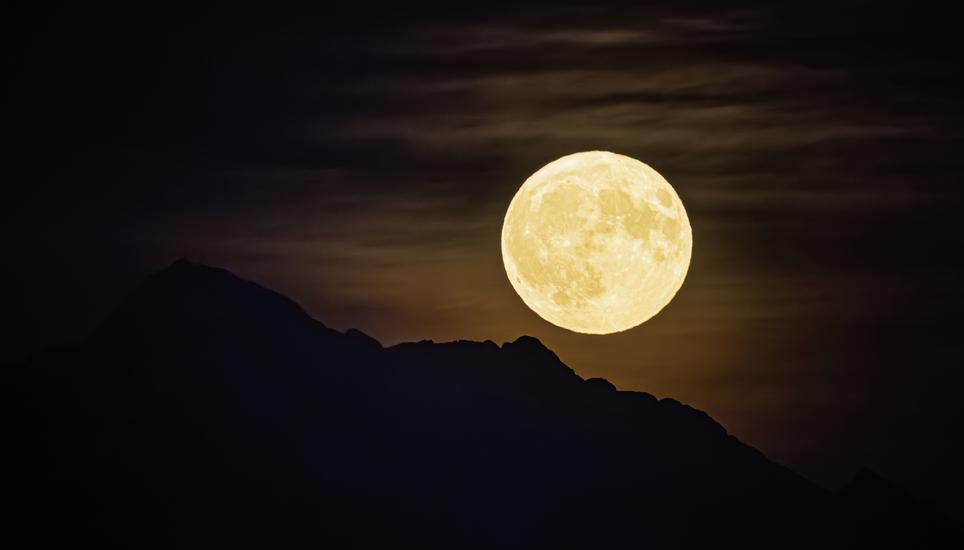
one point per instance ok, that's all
(209, 412)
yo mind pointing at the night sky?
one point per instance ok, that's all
(361, 160)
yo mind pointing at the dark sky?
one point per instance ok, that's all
(361, 159)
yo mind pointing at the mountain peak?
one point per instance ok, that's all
(527, 340)
(185, 272)
(529, 345)
(187, 300)
(182, 263)
(601, 384)
(184, 279)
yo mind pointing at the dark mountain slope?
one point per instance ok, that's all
(209, 411)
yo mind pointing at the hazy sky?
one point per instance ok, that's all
(362, 161)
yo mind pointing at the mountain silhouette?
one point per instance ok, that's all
(208, 411)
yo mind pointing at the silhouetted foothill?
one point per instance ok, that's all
(210, 411)
(601, 383)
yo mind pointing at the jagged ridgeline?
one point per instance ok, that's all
(211, 412)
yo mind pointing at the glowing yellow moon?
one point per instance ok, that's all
(596, 242)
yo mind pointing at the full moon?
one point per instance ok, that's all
(596, 242)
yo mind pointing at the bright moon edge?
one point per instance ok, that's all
(596, 242)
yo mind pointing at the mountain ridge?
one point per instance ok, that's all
(210, 406)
